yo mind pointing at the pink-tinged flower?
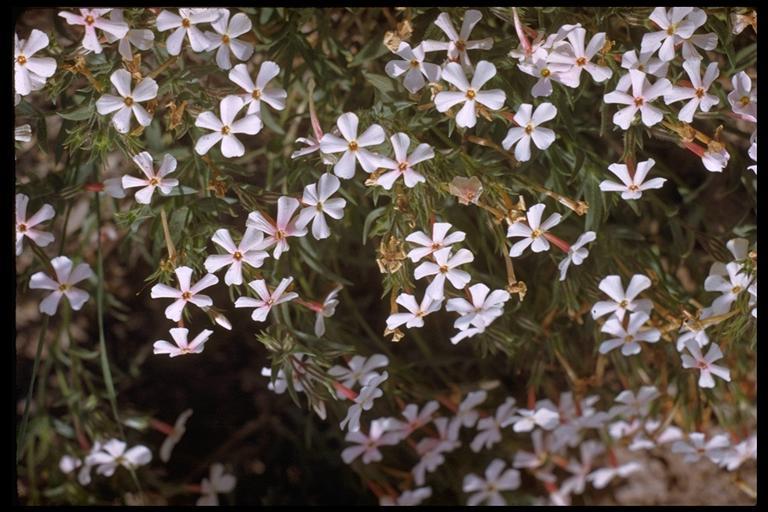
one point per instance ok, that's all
(486, 306)
(632, 186)
(184, 24)
(326, 310)
(225, 38)
(533, 231)
(416, 311)
(579, 56)
(740, 453)
(62, 285)
(466, 190)
(588, 450)
(643, 93)
(752, 152)
(113, 453)
(438, 241)
(628, 338)
(91, 19)
(489, 429)
(540, 455)
(675, 24)
(403, 163)
(225, 128)
(218, 482)
(364, 400)
(458, 44)
(174, 436)
(743, 98)
(185, 293)
(635, 404)
(267, 300)
(469, 92)
(414, 419)
(153, 179)
(29, 72)
(705, 364)
(742, 20)
(368, 445)
(128, 101)
(182, 345)
(697, 93)
(352, 146)
(413, 66)
(602, 477)
(644, 62)
(141, 38)
(257, 92)
(730, 280)
(577, 253)
(622, 301)
(318, 201)
(467, 415)
(525, 420)
(431, 450)
(250, 250)
(359, 369)
(546, 72)
(528, 128)
(706, 42)
(25, 227)
(444, 268)
(489, 490)
(715, 449)
(695, 329)
(278, 232)
(410, 498)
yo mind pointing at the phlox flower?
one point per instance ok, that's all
(525, 420)
(437, 241)
(185, 293)
(368, 445)
(250, 251)
(489, 429)
(635, 404)
(730, 280)
(217, 482)
(410, 498)
(153, 179)
(318, 201)
(414, 419)
(488, 490)
(128, 102)
(364, 401)
(182, 345)
(30, 72)
(225, 128)
(706, 42)
(184, 24)
(644, 62)
(26, 227)
(467, 415)
(353, 146)
(359, 369)
(528, 128)
(547, 72)
(431, 450)
(416, 311)
(705, 364)
(628, 338)
(267, 300)
(327, 310)
(278, 231)
(403, 163)
(486, 306)
(743, 98)
(469, 93)
(458, 43)
(91, 19)
(258, 92)
(413, 67)
(588, 450)
(113, 453)
(577, 253)
(640, 98)
(62, 285)
(632, 186)
(533, 231)
(175, 435)
(697, 93)
(445, 267)
(676, 25)
(225, 38)
(579, 56)
(602, 477)
(697, 446)
(141, 38)
(621, 300)
(740, 453)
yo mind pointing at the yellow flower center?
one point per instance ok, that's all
(461, 45)
(238, 256)
(22, 228)
(633, 188)
(63, 287)
(89, 20)
(225, 130)
(280, 235)
(154, 182)
(21, 60)
(545, 72)
(744, 100)
(402, 166)
(639, 101)
(128, 101)
(414, 63)
(536, 233)
(700, 92)
(186, 23)
(225, 39)
(256, 94)
(471, 94)
(353, 145)
(629, 338)
(624, 303)
(640, 67)
(736, 289)
(443, 269)
(186, 295)
(581, 61)
(671, 29)
(528, 128)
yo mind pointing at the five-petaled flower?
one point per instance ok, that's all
(267, 300)
(469, 93)
(445, 267)
(29, 72)
(62, 285)
(413, 66)
(25, 227)
(185, 293)
(257, 92)
(353, 146)
(643, 93)
(402, 164)
(182, 345)
(278, 231)
(318, 201)
(632, 186)
(225, 38)
(225, 128)
(128, 101)
(533, 231)
(153, 179)
(184, 24)
(705, 363)
(91, 19)
(528, 129)
(250, 250)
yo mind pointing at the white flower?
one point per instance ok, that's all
(438, 241)
(153, 179)
(526, 420)
(26, 226)
(327, 310)
(183, 346)
(29, 73)
(175, 435)
(225, 128)
(185, 293)
(706, 42)
(644, 62)
(359, 369)
(225, 38)
(528, 128)
(632, 186)
(489, 429)
(352, 146)
(533, 232)
(602, 477)
(635, 405)
(128, 101)
(705, 364)
(579, 57)
(250, 250)
(62, 285)
(317, 198)
(91, 19)
(416, 312)
(184, 23)
(469, 93)
(753, 298)
(368, 445)
(743, 98)
(643, 93)
(622, 301)
(68, 464)
(364, 401)
(740, 453)
(403, 163)
(407, 498)
(217, 483)
(697, 93)
(628, 338)
(546, 72)
(141, 38)
(257, 92)
(444, 268)
(752, 152)
(467, 333)
(414, 419)
(482, 311)
(676, 25)
(413, 66)
(431, 450)
(730, 280)
(577, 253)
(541, 449)
(266, 300)
(715, 449)
(467, 416)
(113, 453)
(458, 44)
(695, 329)
(488, 490)
(580, 470)
(278, 231)
(23, 133)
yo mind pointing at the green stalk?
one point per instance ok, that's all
(25, 419)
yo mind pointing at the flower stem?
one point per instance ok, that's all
(36, 366)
